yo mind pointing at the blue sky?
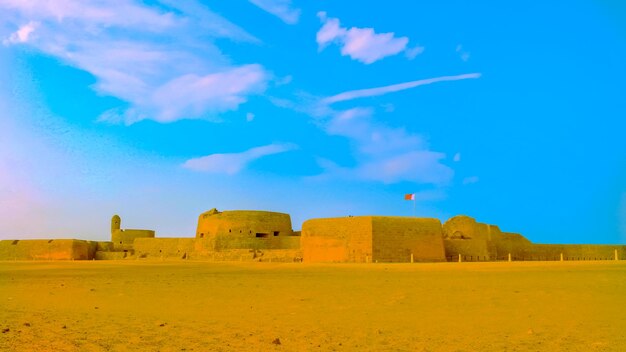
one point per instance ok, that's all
(513, 113)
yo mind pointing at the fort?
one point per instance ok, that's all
(251, 235)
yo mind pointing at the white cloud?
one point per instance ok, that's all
(470, 180)
(279, 8)
(372, 92)
(457, 157)
(207, 22)
(249, 117)
(22, 34)
(192, 95)
(92, 13)
(362, 44)
(159, 59)
(233, 163)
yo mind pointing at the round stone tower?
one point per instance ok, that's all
(116, 223)
(243, 223)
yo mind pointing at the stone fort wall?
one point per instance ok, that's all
(372, 238)
(57, 249)
(403, 239)
(243, 224)
(123, 240)
(193, 248)
(267, 236)
(337, 240)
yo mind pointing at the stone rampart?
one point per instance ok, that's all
(123, 240)
(204, 249)
(398, 239)
(55, 249)
(514, 243)
(244, 224)
(469, 250)
(569, 251)
(471, 240)
(181, 248)
(337, 239)
(103, 255)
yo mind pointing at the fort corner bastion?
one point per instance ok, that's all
(253, 235)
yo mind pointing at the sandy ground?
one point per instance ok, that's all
(197, 306)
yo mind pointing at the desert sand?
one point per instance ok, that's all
(202, 306)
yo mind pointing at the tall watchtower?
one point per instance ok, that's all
(116, 224)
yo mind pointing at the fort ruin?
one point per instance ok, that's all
(252, 235)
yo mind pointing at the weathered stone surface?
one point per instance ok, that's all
(57, 249)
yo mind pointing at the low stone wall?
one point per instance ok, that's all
(229, 241)
(569, 252)
(56, 249)
(203, 249)
(102, 255)
(181, 248)
(247, 255)
(469, 250)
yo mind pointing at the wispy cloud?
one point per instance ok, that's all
(362, 44)
(370, 137)
(422, 166)
(384, 154)
(233, 163)
(463, 54)
(372, 92)
(279, 8)
(160, 59)
(192, 95)
(411, 53)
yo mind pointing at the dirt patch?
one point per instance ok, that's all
(198, 306)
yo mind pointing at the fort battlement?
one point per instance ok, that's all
(253, 235)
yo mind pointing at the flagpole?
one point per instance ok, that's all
(413, 206)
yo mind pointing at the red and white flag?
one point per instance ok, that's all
(410, 196)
